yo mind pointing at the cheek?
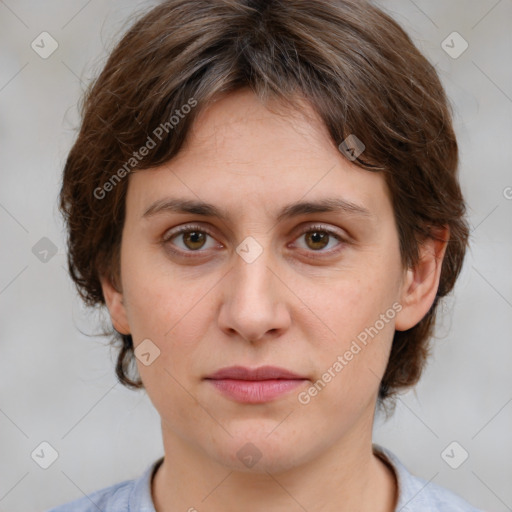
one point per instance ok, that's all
(174, 321)
(361, 313)
(170, 310)
(356, 303)
(157, 298)
(356, 321)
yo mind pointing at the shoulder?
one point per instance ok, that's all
(114, 499)
(125, 496)
(419, 495)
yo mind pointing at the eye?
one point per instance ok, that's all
(317, 238)
(193, 238)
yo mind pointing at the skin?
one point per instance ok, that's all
(299, 305)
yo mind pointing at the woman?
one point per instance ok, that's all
(264, 194)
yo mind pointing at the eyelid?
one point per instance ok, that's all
(321, 227)
(171, 233)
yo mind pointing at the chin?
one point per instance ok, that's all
(261, 453)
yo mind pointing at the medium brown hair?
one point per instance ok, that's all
(355, 66)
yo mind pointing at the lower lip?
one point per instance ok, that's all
(255, 391)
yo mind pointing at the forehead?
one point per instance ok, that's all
(238, 124)
(241, 155)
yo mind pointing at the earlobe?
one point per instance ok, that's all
(421, 282)
(115, 305)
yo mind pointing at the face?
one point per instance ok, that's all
(316, 291)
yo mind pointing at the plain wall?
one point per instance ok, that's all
(58, 384)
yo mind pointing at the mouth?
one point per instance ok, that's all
(258, 385)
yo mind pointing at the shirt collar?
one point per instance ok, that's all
(140, 498)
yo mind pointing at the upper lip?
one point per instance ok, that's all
(261, 373)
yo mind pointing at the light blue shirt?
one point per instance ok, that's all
(414, 494)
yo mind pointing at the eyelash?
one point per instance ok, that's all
(191, 227)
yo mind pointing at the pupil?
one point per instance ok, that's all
(195, 238)
(319, 237)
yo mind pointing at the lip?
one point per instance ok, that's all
(260, 373)
(257, 385)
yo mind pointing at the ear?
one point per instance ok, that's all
(421, 282)
(115, 305)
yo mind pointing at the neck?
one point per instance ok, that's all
(357, 480)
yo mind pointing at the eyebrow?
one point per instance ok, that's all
(329, 204)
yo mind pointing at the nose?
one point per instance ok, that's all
(255, 301)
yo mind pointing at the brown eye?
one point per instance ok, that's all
(317, 240)
(189, 239)
(194, 239)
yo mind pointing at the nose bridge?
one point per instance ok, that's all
(251, 304)
(252, 278)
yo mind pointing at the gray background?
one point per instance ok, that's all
(58, 383)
